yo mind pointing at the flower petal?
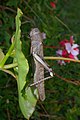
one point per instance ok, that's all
(75, 46)
(71, 56)
(68, 47)
(75, 52)
(59, 52)
(64, 53)
(62, 43)
(61, 62)
(53, 5)
(76, 58)
(71, 40)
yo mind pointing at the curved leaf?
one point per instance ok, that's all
(27, 101)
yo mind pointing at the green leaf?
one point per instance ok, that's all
(1, 55)
(27, 101)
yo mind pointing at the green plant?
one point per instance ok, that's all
(62, 98)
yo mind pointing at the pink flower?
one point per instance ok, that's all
(60, 53)
(61, 62)
(53, 5)
(68, 50)
(64, 53)
(72, 49)
(71, 56)
(62, 43)
(71, 40)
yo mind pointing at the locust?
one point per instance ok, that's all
(39, 63)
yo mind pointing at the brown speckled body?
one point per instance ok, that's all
(37, 48)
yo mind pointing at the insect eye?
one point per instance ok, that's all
(36, 30)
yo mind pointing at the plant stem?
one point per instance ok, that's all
(7, 55)
(9, 72)
(61, 58)
(10, 66)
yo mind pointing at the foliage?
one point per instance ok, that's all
(62, 98)
(27, 100)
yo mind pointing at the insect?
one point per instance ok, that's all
(37, 52)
